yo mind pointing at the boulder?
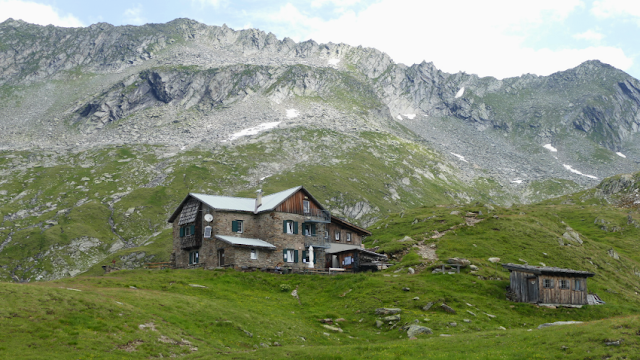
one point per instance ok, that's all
(473, 268)
(332, 328)
(391, 318)
(447, 308)
(427, 307)
(405, 239)
(417, 329)
(379, 323)
(558, 323)
(571, 235)
(494, 259)
(388, 311)
(406, 289)
(411, 271)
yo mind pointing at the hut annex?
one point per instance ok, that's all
(548, 285)
(289, 229)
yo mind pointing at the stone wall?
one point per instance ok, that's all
(264, 226)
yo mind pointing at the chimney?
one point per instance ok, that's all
(258, 200)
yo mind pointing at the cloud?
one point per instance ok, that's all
(616, 8)
(214, 3)
(589, 35)
(487, 38)
(339, 3)
(36, 14)
(133, 15)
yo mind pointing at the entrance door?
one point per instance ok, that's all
(532, 289)
(221, 257)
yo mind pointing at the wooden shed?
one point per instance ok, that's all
(547, 285)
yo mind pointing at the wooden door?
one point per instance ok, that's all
(221, 257)
(532, 289)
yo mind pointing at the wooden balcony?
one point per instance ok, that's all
(190, 242)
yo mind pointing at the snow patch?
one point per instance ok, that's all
(621, 155)
(399, 117)
(459, 157)
(264, 177)
(292, 113)
(550, 148)
(254, 130)
(409, 116)
(334, 62)
(518, 181)
(570, 168)
(460, 92)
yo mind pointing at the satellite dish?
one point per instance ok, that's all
(208, 217)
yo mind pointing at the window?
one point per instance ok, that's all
(348, 236)
(326, 234)
(290, 227)
(290, 255)
(577, 285)
(337, 235)
(305, 206)
(254, 254)
(187, 230)
(547, 283)
(306, 254)
(564, 284)
(237, 226)
(309, 229)
(194, 257)
(207, 232)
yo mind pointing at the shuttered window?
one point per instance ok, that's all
(290, 255)
(290, 227)
(236, 226)
(577, 285)
(547, 283)
(564, 284)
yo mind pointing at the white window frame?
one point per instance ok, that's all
(240, 226)
(337, 235)
(254, 254)
(290, 255)
(207, 232)
(306, 207)
(289, 226)
(348, 237)
(306, 227)
(326, 234)
(187, 230)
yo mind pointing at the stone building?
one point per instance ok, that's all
(263, 232)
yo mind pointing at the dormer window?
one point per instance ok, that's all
(305, 207)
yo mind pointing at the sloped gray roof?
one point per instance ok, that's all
(338, 248)
(232, 203)
(546, 270)
(240, 241)
(269, 202)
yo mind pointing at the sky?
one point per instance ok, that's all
(500, 38)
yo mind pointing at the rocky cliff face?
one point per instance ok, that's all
(372, 135)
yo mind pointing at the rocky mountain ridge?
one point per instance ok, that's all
(104, 128)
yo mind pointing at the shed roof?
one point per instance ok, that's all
(240, 241)
(547, 270)
(338, 248)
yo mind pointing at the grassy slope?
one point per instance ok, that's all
(49, 320)
(103, 319)
(333, 162)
